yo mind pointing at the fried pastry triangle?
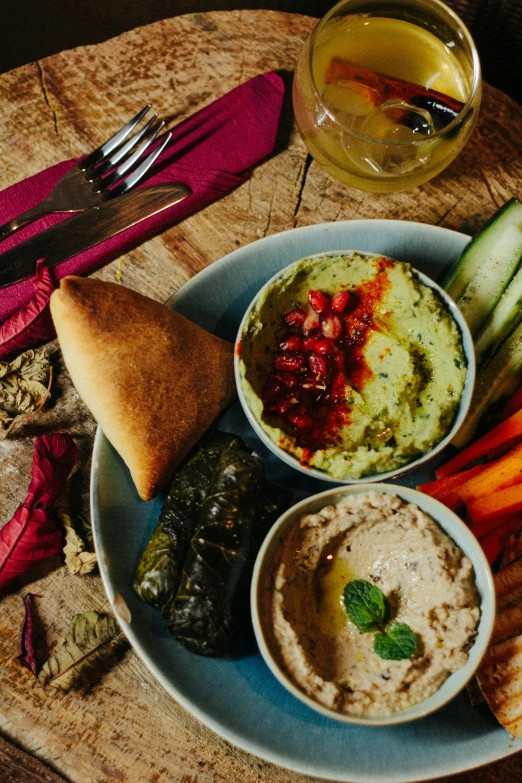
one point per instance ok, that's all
(152, 379)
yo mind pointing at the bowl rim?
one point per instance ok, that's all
(464, 404)
(453, 526)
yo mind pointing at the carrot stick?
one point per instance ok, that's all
(497, 504)
(506, 432)
(482, 529)
(442, 486)
(447, 489)
(514, 404)
(504, 472)
(493, 542)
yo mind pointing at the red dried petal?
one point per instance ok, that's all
(27, 647)
(32, 535)
(32, 324)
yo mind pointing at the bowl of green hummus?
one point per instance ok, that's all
(352, 366)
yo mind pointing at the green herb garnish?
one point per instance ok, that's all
(366, 606)
(396, 643)
(369, 610)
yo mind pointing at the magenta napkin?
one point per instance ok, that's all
(212, 152)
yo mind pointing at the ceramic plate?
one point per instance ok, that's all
(240, 699)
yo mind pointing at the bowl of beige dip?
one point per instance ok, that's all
(373, 604)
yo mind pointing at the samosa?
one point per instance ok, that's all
(152, 379)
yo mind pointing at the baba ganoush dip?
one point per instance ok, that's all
(351, 364)
(426, 578)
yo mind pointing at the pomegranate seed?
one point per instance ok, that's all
(309, 344)
(287, 378)
(312, 383)
(318, 301)
(300, 420)
(292, 342)
(283, 403)
(295, 317)
(271, 389)
(325, 346)
(311, 322)
(288, 362)
(332, 327)
(317, 365)
(340, 300)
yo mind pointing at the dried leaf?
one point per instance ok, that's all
(91, 637)
(77, 559)
(24, 385)
(32, 325)
(27, 645)
(32, 534)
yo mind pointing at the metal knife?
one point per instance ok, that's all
(87, 229)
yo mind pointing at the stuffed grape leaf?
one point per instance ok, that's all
(159, 571)
(202, 615)
(197, 566)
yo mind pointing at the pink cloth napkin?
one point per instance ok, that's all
(211, 152)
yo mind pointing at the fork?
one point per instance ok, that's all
(100, 175)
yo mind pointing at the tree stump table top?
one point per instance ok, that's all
(127, 728)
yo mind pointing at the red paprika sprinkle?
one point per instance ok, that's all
(323, 403)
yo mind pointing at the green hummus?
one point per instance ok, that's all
(406, 399)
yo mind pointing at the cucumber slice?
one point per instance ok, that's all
(499, 378)
(492, 248)
(503, 320)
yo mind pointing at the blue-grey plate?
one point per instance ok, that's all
(240, 699)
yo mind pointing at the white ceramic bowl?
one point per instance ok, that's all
(469, 351)
(461, 535)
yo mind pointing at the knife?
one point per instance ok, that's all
(87, 229)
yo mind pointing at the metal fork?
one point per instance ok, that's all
(100, 175)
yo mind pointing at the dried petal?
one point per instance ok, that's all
(77, 559)
(32, 535)
(27, 646)
(32, 324)
(91, 637)
(24, 385)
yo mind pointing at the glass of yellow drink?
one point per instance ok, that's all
(386, 92)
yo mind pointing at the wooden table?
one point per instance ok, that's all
(127, 728)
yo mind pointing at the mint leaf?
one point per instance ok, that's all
(366, 605)
(397, 643)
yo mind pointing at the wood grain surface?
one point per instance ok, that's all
(126, 728)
